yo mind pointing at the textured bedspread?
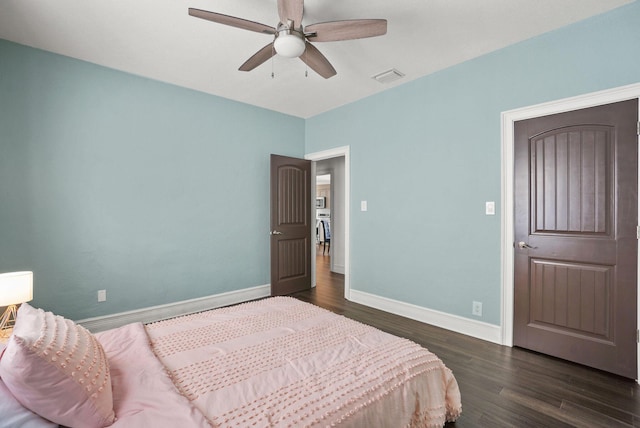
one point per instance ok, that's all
(281, 362)
(143, 394)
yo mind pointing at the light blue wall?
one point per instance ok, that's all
(159, 194)
(111, 181)
(426, 157)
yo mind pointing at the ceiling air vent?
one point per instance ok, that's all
(388, 76)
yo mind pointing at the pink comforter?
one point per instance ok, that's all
(143, 394)
(278, 362)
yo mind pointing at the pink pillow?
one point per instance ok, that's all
(58, 370)
(14, 414)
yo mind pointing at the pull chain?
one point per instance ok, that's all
(273, 54)
(273, 75)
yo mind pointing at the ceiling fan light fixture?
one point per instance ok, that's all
(290, 39)
(289, 45)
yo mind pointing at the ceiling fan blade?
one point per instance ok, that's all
(291, 10)
(232, 21)
(317, 62)
(258, 58)
(346, 30)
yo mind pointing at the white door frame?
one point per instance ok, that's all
(508, 118)
(328, 154)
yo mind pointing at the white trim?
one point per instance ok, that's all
(335, 153)
(508, 118)
(478, 329)
(170, 310)
(338, 269)
(312, 232)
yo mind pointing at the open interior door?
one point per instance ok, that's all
(290, 225)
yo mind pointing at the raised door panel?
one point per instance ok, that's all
(571, 181)
(572, 298)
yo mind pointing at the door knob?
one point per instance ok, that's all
(523, 244)
(275, 232)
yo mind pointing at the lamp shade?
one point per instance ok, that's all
(15, 288)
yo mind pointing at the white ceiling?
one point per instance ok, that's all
(159, 40)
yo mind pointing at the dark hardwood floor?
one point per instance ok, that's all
(500, 386)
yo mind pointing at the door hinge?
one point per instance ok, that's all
(637, 232)
(637, 336)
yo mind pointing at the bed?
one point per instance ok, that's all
(277, 362)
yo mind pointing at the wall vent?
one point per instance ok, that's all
(388, 76)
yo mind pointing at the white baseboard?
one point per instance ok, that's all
(157, 313)
(478, 329)
(338, 269)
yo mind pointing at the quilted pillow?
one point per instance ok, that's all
(58, 370)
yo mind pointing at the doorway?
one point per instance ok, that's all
(324, 197)
(507, 223)
(334, 162)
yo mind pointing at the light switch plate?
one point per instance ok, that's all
(490, 208)
(363, 205)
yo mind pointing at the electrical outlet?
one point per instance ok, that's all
(102, 295)
(476, 309)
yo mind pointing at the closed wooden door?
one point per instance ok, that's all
(576, 211)
(290, 225)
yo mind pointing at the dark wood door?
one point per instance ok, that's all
(290, 225)
(576, 211)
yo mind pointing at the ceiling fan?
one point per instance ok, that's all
(292, 40)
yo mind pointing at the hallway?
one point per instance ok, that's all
(329, 285)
